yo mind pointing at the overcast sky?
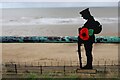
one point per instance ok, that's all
(47, 3)
(59, 0)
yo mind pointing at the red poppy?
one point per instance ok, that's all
(84, 34)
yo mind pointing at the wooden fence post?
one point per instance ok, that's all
(105, 67)
(15, 68)
(41, 71)
(64, 69)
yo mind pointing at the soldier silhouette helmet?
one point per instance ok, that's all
(87, 36)
(85, 13)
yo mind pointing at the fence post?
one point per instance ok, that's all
(15, 68)
(38, 63)
(64, 69)
(41, 71)
(105, 67)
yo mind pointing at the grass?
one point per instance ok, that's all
(68, 77)
(55, 76)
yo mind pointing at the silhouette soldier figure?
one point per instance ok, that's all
(87, 37)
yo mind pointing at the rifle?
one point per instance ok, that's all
(79, 51)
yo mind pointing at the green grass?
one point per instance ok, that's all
(71, 76)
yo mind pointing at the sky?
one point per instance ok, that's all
(56, 4)
(59, 0)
